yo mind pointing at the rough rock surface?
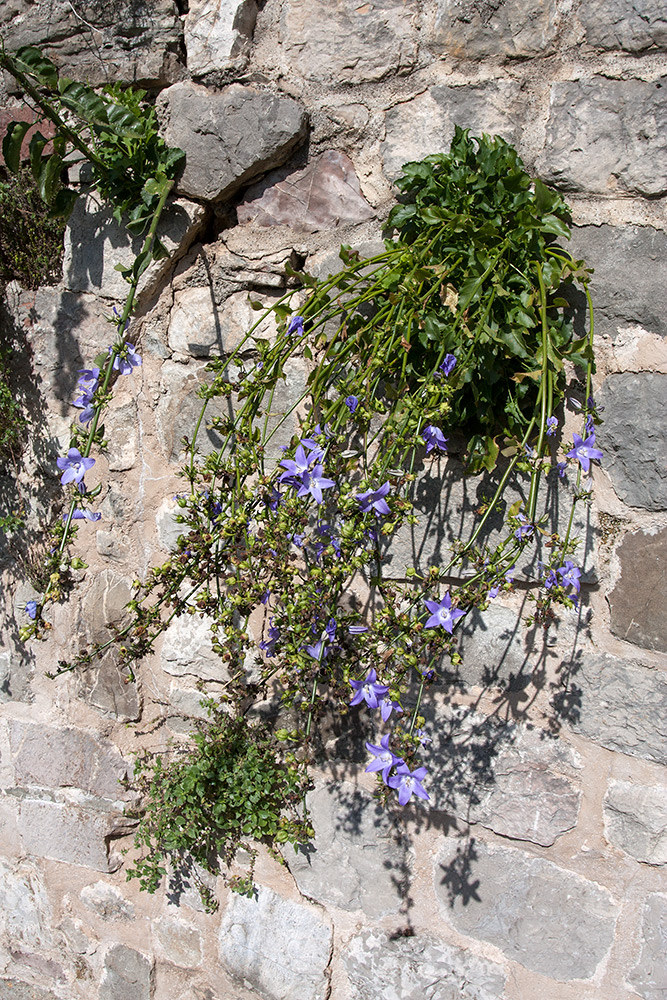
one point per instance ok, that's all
(217, 34)
(633, 437)
(632, 27)
(322, 195)
(638, 600)
(133, 41)
(396, 968)
(278, 947)
(473, 30)
(230, 137)
(179, 940)
(107, 901)
(425, 124)
(649, 976)
(607, 137)
(599, 706)
(127, 975)
(356, 839)
(636, 820)
(186, 649)
(552, 921)
(66, 831)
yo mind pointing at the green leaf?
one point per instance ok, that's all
(37, 144)
(31, 61)
(49, 178)
(12, 143)
(551, 224)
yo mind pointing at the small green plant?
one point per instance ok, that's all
(31, 242)
(234, 787)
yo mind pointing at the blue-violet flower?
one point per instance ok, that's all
(443, 615)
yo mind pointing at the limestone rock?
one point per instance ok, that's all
(472, 30)
(26, 918)
(95, 243)
(230, 137)
(127, 975)
(620, 704)
(201, 327)
(342, 41)
(629, 283)
(633, 439)
(186, 649)
(426, 123)
(649, 976)
(179, 940)
(355, 838)
(636, 820)
(607, 137)
(127, 41)
(104, 605)
(548, 919)
(277, 947)
(217, 34)
(68, 832)
(638, 600)
(62, 757)
(384, 968)
(106, 685)
(121, 427)
(323, 195)
(615, 24)
(107, 901)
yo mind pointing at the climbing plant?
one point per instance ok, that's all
(458, 326)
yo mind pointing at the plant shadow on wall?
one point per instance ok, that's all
(310, 569)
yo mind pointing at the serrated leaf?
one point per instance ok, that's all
(30, 59)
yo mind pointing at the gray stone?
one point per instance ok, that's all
(230, 138)
(550, 920)
(620, 704)
(411, 968)
(187, 702)
(355, 838)
(425, 124)
(629, 283)
(636, 820)
(467, 29)
(12, 989)
(186, 649)
(111, 546)
(26, 920)
(607, 137)
(107, 686)
(104, 605)
(638, 600)
(649, 976)
(107, 901)
(60, 757)
(95, 243)
(323, 195)
(179, 940)
(168, 528)
(633, 439)
(121, 430)
(617, 24)
(201, 327)
(125, 40)
(342, 41)
(127, 975)
(217, 35)
(67, 832)
(280, 948)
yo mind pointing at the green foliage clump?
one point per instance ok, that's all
(235, 784)
(31, 242)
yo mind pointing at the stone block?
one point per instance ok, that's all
(633, 439)
(280, 948)
(630, 27)
(26, 918)
(629, 283)
(200, 327)
(121, 427)
(186, 649)
(229, 137)
(66, 832)
(107, 901)
(550, 920)
(104, 605)
(649, 976)
(217, 35)
(638, 599)
(515, 29)
(61, 757)
(344, 42)
(620, 704)
(106, 685)
(636, 820)
(127, 975)
(400, 968)
(179, 940)
(425, 124)
(607, 137)
(357, 839)
(126, 41)
(95, 243)
(323, 195)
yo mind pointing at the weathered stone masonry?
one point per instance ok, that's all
(540, 871)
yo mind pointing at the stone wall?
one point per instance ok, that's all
(540, 870)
